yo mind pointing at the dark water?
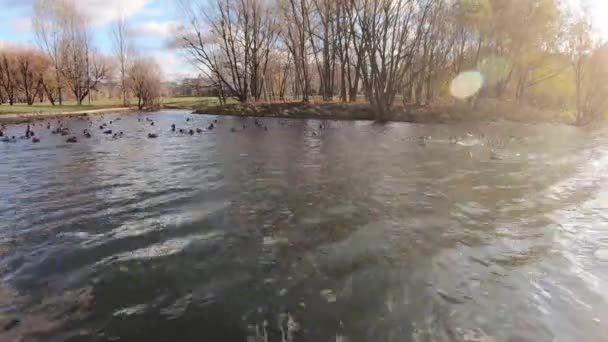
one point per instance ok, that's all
(353, 232)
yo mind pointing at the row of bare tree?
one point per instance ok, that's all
(383, 49)
(66, 64)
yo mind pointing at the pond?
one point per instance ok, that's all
(303, 230)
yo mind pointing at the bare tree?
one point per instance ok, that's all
(121, 50)
(8, 75)
(49, 25)
(145, 82)
(391, 32)
(230, 41)
(31, 67)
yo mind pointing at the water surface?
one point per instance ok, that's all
(347, 232)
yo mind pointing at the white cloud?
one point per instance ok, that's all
(173, 65)
(22, 24)
(164, 29)
(103, 11)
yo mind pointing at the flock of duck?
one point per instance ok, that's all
(106, 128)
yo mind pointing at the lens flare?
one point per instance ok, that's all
(466, 84)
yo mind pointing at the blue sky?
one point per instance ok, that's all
(151, 23)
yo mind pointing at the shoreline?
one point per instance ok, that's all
(485, 111)
(21, 118)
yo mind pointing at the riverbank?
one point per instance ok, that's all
(19, 118)
(484, 110)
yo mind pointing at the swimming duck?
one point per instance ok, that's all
(211, 126)
(35, 140)
(108, 132)
(152, 135)
(198, 130)
(172, 127)
(191, 132)
(72, 140)
(495, 156)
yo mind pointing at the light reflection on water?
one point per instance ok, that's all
(483, 232)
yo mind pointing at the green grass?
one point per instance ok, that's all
(68, 106)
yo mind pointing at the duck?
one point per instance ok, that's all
(64, 133)
(152, 135)
(495, 156)
(172, 127)
(191, 132)
(232, 130)
(108, 132)
(210, 127)
(35, 140)
(87, 135)
(198, 130)
(187, 119)
(181, 130)
(215, 121)
(1, 134)
(152, 123)
(72, 140)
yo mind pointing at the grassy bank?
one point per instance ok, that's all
(190, 103)
(484, 110)
(67, 107)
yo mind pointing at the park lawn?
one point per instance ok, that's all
(67, 107)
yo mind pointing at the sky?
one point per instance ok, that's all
(151, 23)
